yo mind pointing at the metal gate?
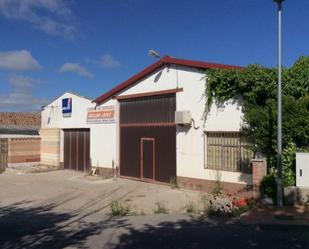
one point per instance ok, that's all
(3, 153)
(148, 138)
(76, 146)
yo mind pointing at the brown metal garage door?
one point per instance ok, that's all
(76, 146)
(148, 138)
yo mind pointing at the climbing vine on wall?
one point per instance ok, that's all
(254, 88)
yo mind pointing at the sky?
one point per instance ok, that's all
(48, 47)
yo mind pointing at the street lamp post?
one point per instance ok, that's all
(279, 134)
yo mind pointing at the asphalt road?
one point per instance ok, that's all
(41, 228)
(58, 210)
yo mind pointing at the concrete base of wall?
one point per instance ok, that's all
(104, 172)
(208, 186)
(26, 164)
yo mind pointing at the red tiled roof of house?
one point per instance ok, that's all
(20, 120)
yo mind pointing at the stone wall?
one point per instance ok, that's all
(50, 147)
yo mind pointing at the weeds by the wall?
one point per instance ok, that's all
(218, 187)
(160, 208)
(173, 182)
(191, 208)
(118, 208)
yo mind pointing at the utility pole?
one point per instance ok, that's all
(279, 132)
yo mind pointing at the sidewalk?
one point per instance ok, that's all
(286, 218)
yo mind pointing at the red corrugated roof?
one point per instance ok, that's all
(163, 61)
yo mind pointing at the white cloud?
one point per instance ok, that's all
(22, 102)
(75, 68)
(21, 60)
(106, 61)
(50, 16)
(109, 61)
(22, 82)
(21, 97)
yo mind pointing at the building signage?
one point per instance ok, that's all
(102, 115)
(66, 107)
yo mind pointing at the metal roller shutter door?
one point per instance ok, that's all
(148, 138)
(76, 148)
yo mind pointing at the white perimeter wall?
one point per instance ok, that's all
(190, 141)
(103, 141)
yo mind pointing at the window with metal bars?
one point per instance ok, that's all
(228, 151)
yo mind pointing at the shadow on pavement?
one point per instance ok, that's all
(41, 227)
(209, 233)
(25, 226)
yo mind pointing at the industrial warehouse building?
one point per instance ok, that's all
(152, 127)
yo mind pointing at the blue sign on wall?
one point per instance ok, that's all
(67, 107)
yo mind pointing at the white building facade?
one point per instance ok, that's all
(128, 137)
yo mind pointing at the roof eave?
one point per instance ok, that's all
(162, 61)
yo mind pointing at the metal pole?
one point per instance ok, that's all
(279, 135)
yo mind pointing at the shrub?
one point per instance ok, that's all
(268, 186)
(119, 209)
(225, 206)
(160, 208)
(216, 206)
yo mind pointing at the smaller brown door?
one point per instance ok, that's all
(148, 159)
(76, 151)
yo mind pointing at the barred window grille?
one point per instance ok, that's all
(228, 151)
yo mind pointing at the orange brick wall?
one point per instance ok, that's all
(24, 150)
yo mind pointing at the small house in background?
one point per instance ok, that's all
(19, 138)
(65, 133)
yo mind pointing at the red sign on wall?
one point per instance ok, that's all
(102, 115)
